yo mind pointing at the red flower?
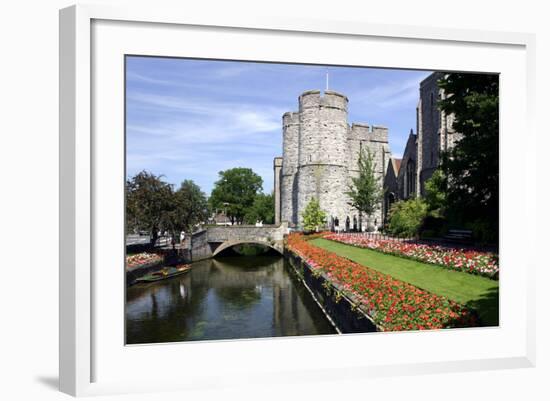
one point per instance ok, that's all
(392, 304)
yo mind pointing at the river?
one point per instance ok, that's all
(224, 298)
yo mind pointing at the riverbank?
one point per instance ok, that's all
(344, 312)
(231, 297)
(474, 291)
(393, 305)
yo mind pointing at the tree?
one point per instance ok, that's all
(365, 191)
(235, 192)
(436, 222)
(436, 193)
(471, 166)
(263, 209)
(406, 217)
(147, 203)
(188, 207)
(313, 216)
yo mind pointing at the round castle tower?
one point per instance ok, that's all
(322, 154)
(291, 132)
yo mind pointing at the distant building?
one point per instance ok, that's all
(219, 218)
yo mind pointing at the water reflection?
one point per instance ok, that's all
(230, 297)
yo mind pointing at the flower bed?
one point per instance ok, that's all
(143, 259)
(392, 304)
(469, 261)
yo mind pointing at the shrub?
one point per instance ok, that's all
(483, 231)
(314, 217)
(406, 217)
(433, 226)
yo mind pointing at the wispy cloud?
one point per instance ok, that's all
(391, 94)
(134, 76)
(190, 119)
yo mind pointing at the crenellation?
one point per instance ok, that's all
(379, 133)
(321, 155)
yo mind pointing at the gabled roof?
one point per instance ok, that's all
(396, 164)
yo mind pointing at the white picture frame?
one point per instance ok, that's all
(92, 361)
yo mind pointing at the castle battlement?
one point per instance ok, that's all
(291, 117)
(359, 132)
(320, 156)
(329, 99)
(321, 153)
(379, 133)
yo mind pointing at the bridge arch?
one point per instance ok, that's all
(228, 244)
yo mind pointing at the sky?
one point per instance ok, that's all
(191, 119)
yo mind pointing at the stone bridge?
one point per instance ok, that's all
(212, 240)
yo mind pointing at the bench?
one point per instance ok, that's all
(459, 236)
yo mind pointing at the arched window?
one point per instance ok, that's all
(347, 223)
(354, 223)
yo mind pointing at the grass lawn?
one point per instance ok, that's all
(479, 293)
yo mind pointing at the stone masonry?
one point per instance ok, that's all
(422, 154)
(434, 127)
(214, 239)
(320, 155)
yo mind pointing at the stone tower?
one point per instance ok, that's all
(434, 128)
(320, 156)
(289, 184)
(322, 153)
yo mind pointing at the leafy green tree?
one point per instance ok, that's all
(263, 209)
(235, 192)
(471, 166)
(365, 191)
(148, 202)
(188, 207)
(436, 193)
(313, 216)
(406, 217)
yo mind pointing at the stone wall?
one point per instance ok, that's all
(289, 198)
(208, 242)
(244, 233)
(407, 188)
(198, 245)
(322, 153)
(327, 157)
(342, 312)
(277, 166)
(436, 134)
